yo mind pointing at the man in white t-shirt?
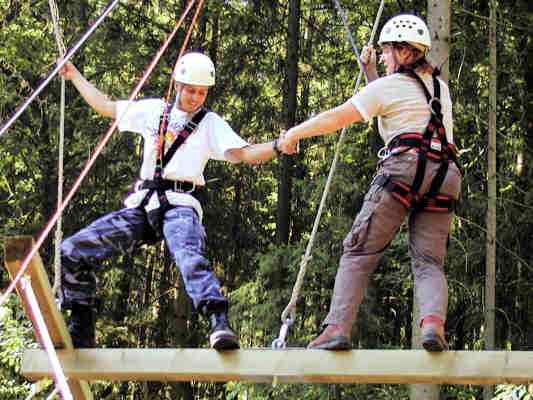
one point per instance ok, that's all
(165, 204)
(418, 179)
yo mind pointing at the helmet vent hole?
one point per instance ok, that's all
(420, 32)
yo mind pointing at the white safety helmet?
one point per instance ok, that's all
(406, 28)
(195, 69)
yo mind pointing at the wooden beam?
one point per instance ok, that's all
(15, 250)
(289, 366)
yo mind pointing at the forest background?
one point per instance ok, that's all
(278, 62)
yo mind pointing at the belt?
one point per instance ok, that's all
(167, 184)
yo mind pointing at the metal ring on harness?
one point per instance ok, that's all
(430, 104)
(384, 152)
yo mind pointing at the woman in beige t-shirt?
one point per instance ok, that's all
(417, 178)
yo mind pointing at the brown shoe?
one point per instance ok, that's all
(331, 338)
(432, 338)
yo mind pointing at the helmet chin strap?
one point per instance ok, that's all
(178, 87)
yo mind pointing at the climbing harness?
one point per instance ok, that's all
(98, 149)
(160, 185)
(58, 67)
(288, 315)
(431, 145)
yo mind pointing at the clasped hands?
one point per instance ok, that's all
(287, 142)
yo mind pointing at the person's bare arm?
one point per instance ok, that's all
(253, 154)
(326, 122)
(94, 97)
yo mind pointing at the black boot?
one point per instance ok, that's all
(81, 326)
(221, 336)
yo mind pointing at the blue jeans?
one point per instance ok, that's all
(124, 230)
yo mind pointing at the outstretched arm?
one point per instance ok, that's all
(95, 98)
(254, 153)
(326, 122)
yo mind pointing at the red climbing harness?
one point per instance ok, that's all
(430, 145)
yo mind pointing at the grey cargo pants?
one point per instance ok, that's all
(376, 225)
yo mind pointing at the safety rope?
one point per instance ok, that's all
(98, 149)
(58, 67)
(59, 231)
(289, 314)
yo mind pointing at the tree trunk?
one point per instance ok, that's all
(438, 20)
(290, 101)
(490, 266)
(527, 8)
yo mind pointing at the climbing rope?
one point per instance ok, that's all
(98, 149)
(289, 314)
(59, 231)
(58, 67)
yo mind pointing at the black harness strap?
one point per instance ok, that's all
(187, 130)
(158, 184)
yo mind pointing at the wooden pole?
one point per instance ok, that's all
(288, 366)
(15, 250)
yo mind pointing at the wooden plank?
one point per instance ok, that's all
(289, 366)
(15, 250)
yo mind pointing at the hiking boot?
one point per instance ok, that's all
(331, 338)
(81, 326)
(221, 336)
(432, 338)
(432, 334)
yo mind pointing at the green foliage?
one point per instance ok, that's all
(15, 336)
(512, 392)
(145, 305)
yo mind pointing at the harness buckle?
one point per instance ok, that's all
(435, 145)
(191, 125)
(179, 187)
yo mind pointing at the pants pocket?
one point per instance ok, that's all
(357, 237)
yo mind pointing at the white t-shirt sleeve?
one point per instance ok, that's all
(222, 137)
(368, 100)
(139, 116)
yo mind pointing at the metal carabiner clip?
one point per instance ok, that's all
(279, 343)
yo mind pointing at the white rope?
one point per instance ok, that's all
(53, 393)
(288, 315)
(59, 227)
(37, 388)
